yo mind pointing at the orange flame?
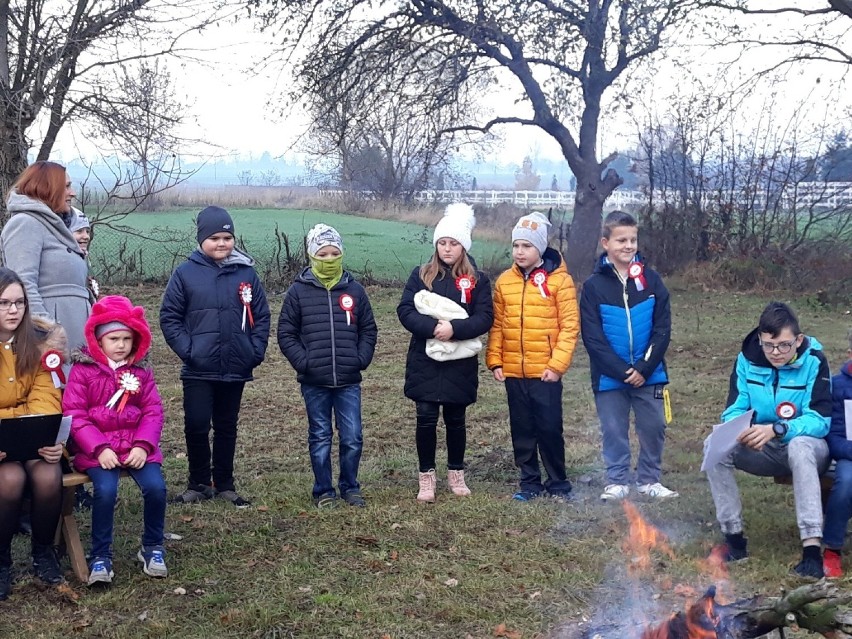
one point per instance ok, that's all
(698, 623)
(641, 539)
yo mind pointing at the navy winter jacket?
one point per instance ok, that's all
(841, 392)
(624, 328)
(201, 318)
(453, 381)
(315, 337)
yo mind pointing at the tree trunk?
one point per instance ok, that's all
(584, 237)
(13, 160)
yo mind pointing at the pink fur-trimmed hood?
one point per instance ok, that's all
(116, 308)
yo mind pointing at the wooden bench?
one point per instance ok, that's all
(67, 531)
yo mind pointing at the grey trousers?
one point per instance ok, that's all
(614, 413)
(805, 458)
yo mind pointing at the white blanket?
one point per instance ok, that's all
(442, 308)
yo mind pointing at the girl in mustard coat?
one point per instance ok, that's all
(26, 388)
(530, 346)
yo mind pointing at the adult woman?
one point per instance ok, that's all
(31, 391)
(37, 244)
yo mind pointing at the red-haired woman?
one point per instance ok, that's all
(32, 393)
(37, 244)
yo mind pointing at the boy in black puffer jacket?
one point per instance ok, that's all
(328, 334)
(215, 317)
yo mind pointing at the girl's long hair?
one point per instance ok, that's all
(44, 181)
(26, 344)
(435, 268)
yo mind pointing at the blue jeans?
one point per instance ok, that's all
(149, 478)
(839, 507)
(345, 401)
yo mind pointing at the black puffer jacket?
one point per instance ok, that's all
(314, 336)
(201, 318)
(454, 381)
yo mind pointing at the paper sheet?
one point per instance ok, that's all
(64, 430)
(723, 439)
(847, 405)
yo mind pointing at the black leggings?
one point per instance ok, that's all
(45, 484)
(427, 437)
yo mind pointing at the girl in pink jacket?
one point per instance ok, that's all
(117, 421)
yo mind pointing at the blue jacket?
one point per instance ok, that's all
(841, 392)
(805, 382)
(201, 318)
(624, 328)
(315, 337)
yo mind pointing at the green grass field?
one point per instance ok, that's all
(379, 249)
(484, 566)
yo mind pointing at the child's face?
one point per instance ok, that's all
(117, 345)
(83, 236)
(328, 253)
(621, 245)
(781, 349)
(449, 250)
(218, 246)
(525, 254)
(13, 299)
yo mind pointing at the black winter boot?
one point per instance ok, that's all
(5, 573)
(46, 565)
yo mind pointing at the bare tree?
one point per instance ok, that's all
(52, 55)
(564, 55)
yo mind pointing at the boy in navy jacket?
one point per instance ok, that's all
(839, 507)
(625, 320)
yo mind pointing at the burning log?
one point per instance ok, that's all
(821, 608)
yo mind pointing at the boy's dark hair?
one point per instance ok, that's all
(776, 317)
(616, 218)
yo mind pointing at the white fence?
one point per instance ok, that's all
(828, 195)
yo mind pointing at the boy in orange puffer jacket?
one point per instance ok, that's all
(530, 346)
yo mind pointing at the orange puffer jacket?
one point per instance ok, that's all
(530, 332)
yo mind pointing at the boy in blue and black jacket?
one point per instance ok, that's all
(328, 334)
(625, 321)
(839, 508)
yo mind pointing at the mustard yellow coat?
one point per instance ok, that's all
(530, 332)
(31, 394)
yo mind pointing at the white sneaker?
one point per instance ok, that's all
(615, 492)
(657, 491)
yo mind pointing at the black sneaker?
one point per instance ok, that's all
(732, 553)
(83, 499)
(5, 582)
(46, 565)
(809, 568)
(354, 498)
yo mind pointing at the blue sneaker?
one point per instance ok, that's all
(525, 495)
(153, 562)
(100, 571)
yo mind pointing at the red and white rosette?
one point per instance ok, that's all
(636, 271)
(539, 278)
(786, 410)
(465, 283)
(245, 300)
(347, 304)
(128, 384)
(52, 362)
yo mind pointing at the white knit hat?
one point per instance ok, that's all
(533, 229)
(323, 235)
(457, 223)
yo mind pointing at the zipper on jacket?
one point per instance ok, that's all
(333, 349)
(627, 311)
(523, 295)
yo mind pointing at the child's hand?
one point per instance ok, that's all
(498, 374)
(2, 455)
(550, 376)
(50, 454)
(136, 458)
(634, 378)
(757, 436)
(108, 459)
(443, 331)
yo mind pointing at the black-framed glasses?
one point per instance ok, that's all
(5, 305)
(781, 347)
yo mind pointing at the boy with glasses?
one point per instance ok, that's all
(783, 376)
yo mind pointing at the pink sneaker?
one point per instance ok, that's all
(831, 564)
(427, 483)
(455, 478)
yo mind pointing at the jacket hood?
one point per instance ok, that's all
(237, 257)
(604, 266)
(115, 308)
(754, 353)
(551, 262)
(306, 276)
(18, 204)
(83, 355)
(54, 337)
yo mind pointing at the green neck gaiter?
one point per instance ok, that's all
(328, 272)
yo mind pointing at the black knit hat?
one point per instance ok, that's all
(213, 220)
